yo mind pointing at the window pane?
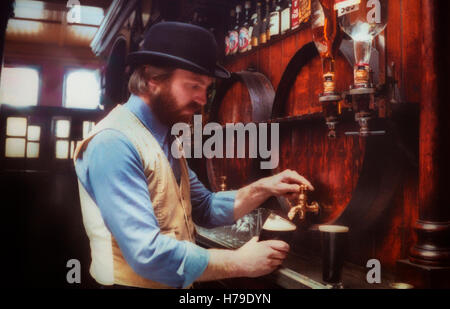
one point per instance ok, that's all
(82, 89)
(62, 149)
(33, 150)
(19, 86)
(34, 133)
(16, 126)
(15, 148)
(31, 10)
(87, 127)
(91, 15)
(62, 128)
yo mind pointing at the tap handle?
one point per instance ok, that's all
(366, 133)
(364, 128)
(314, 208)
(302, 206)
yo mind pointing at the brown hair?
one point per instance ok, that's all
(138, 84)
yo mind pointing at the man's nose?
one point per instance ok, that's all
(201, 98)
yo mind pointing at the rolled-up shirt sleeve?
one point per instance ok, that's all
(210, 209)
(112, 173)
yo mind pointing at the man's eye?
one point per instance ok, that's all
(211, 92)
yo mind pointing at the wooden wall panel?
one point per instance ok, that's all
(289, 48)
(403, 46)
(276, 68)
(300, 93)
(264, 61)
(394, 39)
(411, 13)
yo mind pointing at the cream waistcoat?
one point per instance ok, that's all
(171, 203)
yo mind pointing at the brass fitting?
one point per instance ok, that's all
(302, 206)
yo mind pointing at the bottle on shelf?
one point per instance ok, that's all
(265, 26)
(234, 33)
(305, 10)
(285, 23)
(295, 14)
(275, 16)
(229, 29)
(257, 26)
(327, 38)
(244, 37)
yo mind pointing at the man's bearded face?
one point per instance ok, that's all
(166, 106)
(180, 97)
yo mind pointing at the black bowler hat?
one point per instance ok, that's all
(180, 45)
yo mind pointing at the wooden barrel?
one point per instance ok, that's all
(245, 98)
(354, 177)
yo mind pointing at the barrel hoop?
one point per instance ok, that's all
(259, 88)
(261, 94)
(298, 61)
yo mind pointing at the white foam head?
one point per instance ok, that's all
(333, 228)
(277, 223)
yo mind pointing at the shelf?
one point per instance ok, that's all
(231, 58)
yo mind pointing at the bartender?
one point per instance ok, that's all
(139, 203)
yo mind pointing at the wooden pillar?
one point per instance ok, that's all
(429, 260)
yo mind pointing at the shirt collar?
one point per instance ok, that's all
(145, 114)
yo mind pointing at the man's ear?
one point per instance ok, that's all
(153, 86)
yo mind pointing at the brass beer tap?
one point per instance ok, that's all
(302, 206)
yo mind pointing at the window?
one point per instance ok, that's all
(14, 82)
(22, 139)
(65, 146)
(62, 133)
(82, 89)
(87, 128)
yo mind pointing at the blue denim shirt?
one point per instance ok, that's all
(111, 171)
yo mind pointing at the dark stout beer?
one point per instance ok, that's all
(334, 247)
(278, 228)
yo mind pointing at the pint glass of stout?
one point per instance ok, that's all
(277, 228)
(334, 247)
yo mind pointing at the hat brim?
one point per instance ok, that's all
(156, 58)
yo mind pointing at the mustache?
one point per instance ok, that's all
(196, 107)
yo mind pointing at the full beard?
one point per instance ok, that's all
(164, 105)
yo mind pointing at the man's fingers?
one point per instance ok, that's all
(278, 245)
(287, 188)
(275, 263)
(293, 176)
(278, 255)
(291, 196)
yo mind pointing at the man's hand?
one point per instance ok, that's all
(254, 259)
(260, 258)
(285, 183)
